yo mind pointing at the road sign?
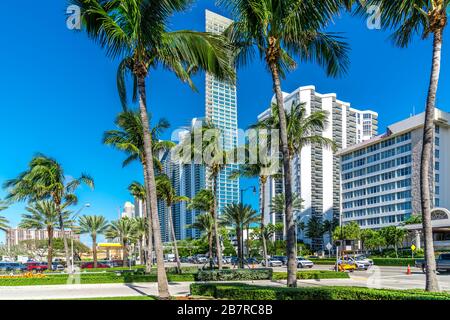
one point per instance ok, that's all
(329, 246)
(413, 248)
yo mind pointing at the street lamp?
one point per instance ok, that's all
(87, 205)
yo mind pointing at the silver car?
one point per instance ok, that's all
(273, 263)
(304, 263)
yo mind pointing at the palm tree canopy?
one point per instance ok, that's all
(129, 137)
(45, 179)
(238, 215)
(135, 30)
(278, 203)
(93, 225)
(3, 221)
(204, 223)
(141, 227)
(203, 201)
(302, 129)
(123, 229)
(43, 215)
(409, 17)
(166, 192)
(280, 30)
(138, 190)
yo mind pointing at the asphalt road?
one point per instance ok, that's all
(375, 277)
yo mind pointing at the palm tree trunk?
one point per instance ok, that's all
(50, 247)
(239, 240)
(427, 156)
(210, 242)
(125, 254)
(142, 250)
(64, 236)
(163, 286)
(174, 238)
(263, 200)
(216, 225)
(290, 226)
(149, 262)
(94, 249)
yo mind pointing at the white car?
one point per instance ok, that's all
(304, 263)
(273, 263)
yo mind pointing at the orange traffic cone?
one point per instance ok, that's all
(408, 271)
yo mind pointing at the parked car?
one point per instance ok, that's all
(364, 260)
(251, 262)
(57, 266)
(36, 266)
(273, 262)
(200, 259)
(90, 265)
(283, 259)
(360, 264)
(12, 266)
(442, 263)
(227, 259)
(304, 263)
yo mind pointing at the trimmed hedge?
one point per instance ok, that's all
(315, 274)
(386, 262)
(252, 292)
(234, 275)
(94, 278)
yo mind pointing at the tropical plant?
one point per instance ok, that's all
(425, 18)
(278, 203)
(328, 226)
(135, 31)
(141, 233)
(45, 179)
(350, 231)
(415, 219)
(138, 191)
(280, 30)
(166, 192)
(238, 216)
(3, 221)
(371, 239)
(129, 138)
(44, 215)
(314, 227)
(94, 226)
(124, 231)
(205, 224)
(393, 236)
(204, 201)
(211, 145)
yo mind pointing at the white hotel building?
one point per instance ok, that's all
(380, 178)
(316, 171)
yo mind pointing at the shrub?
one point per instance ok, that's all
(251, 292)
(316, 274)
(393, 262)
(234, 275)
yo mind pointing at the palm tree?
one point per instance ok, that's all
(135, 31)
(44, 215)
(129, 138)
(262, 170)
(328, 226)
(205, 224)
(204, 201)
(211, 144)
(166, 192)
(409, 18)
(93, 225)
(314, 227)
(141, 232)
(238, 216)
(124, 231)
(45, 179)
(3, 221)
(138, 191)
(280, 30)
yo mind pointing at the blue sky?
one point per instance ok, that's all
(58, 94)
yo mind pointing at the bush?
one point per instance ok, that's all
(234, 275)
(249, 292)
(92, 278)
(316, 274)
(393, 262)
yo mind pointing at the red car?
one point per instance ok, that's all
(90, 265)
(36, 266)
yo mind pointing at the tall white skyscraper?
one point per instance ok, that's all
(316, 171)
(221, 110)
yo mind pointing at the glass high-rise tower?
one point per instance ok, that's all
(221, 110)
